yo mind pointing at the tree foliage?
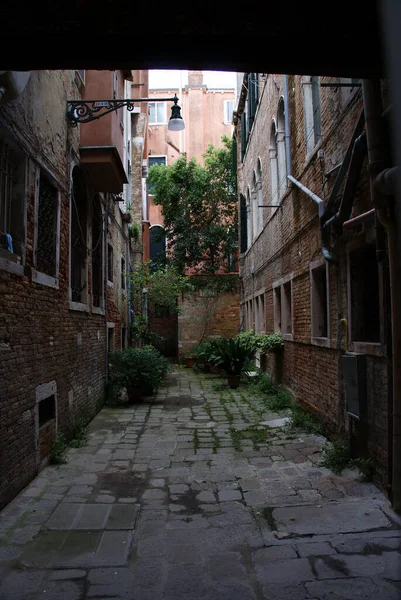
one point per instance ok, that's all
(199, 205)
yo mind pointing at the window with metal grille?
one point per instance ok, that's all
(97, 253)
(110, 263)
(46, 242)
(79, 216)
(12, 197)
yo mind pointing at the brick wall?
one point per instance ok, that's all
(43, 337)
(290, 241)
(204, 317)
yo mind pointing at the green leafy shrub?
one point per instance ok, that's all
(57, 454)
(336, 455)
(79, 434)
(309, 422)
(138, 367)
(272, 342)
(231, 354)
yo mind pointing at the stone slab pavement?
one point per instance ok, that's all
(201, 492)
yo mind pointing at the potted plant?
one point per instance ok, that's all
(190, 359)
(232, 354)
(138, 370)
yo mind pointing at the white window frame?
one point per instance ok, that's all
(315, 339)
(164, 121)
(312, 138)
(227, 120)
(278, 288)
(38, 276)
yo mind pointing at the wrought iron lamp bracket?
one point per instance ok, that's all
(84, 111)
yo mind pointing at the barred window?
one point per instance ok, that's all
(46, 243)
(12, 197)
(79, 216)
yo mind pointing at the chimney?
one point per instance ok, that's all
(195, 78)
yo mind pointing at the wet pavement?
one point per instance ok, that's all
(199, 493)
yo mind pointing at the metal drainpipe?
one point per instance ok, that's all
(287, 125)
(106, 228)
(376, 152)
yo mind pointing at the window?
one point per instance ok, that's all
(12, 199)
(157, 113)
(319, 301)
(311, 93)
(123, 275)
(110, 263)
(155, 160)
(47, 227)
(281, 159)
(249, 217)
(157, 246)
(255, 210)
(282, 307)
(79, 215)
(243, 224)
(110, 338)
(273, 165)
(286, 307)
(244, 135)
(253, 97)
(259, 195)
(81, 74)
(277, 308)
(228, 110)
(47, 410)
(97, 253)
(260, 314)
(364, 294)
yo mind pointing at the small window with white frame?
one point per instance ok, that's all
(283, 307)
(320, 313)
(157, 113)
(228, 111)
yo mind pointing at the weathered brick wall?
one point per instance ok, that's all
(205, 317)
(290, 241)
(41, 339)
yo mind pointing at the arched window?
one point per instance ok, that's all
(259, 193)
(281, 160)
(311, 93)
(255, 213)
(273, 165)
(249, 216)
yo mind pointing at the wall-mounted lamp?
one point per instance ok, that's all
(84, 111)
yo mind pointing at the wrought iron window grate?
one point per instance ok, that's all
(47, 228)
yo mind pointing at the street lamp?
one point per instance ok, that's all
(84, 111)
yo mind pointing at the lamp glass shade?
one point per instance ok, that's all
(176, 124)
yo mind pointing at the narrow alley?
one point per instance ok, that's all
(201, 493)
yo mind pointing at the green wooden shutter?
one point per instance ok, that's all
(243, 136)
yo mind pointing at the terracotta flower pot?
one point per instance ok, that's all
(189, 362)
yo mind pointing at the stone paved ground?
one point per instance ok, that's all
(183, 498)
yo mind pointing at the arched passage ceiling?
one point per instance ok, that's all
(282, 36)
